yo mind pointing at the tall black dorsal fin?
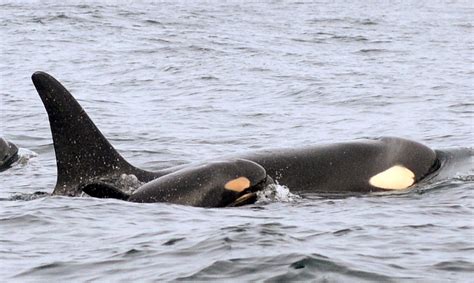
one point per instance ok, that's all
(82, 152)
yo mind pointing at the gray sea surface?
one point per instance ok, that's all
(174, 82)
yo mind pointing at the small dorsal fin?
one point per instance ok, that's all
(82, 152)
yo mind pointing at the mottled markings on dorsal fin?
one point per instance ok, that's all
(238, 184)
(397, 177)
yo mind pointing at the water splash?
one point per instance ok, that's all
(276, 193)
(24, 157)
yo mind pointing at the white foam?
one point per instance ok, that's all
(25, 155)
(276, 193)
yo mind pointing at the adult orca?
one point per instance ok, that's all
(8, 154)
(84, 156)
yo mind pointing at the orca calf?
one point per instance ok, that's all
(8, 154)
(86, 161)
(214, 184)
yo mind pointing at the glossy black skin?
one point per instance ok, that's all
(203, 185)
(84, 155)
(8, 154)
(344, 167)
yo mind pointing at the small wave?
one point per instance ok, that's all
(342, 232)
(454, 182)
(66, 270)
(350, 38)
(159, 40)
(367, 22)
(43, 268)
(132, 253)
(364, 22)
(173, 241)
(200, 48)
(465, 25)
(308, 40)
(464, 178)
(282, 268)
(457, 265)
(153, 22)
(28, 196)
(58, 17)
(171, 69)
(23, 220)
(373, 50)
(208, 78)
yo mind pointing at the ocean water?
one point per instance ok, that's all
(174, 82)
